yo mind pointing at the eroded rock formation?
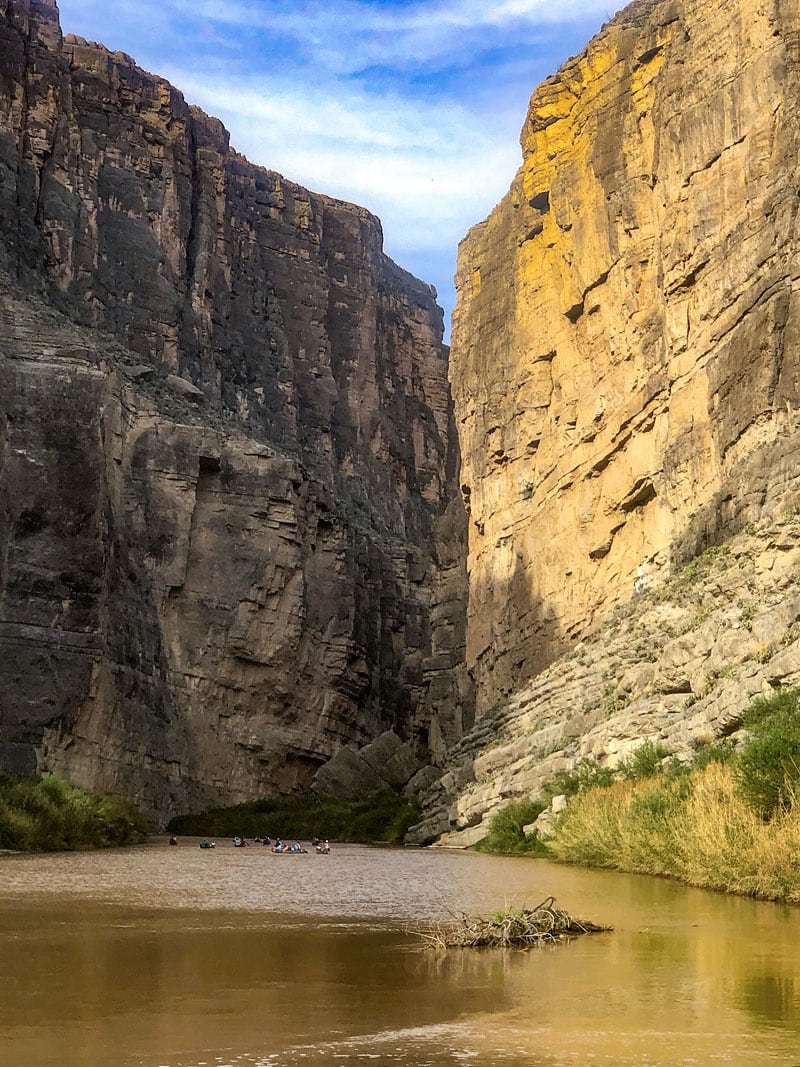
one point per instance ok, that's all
(226, 446)
(677, 666)
(625, 372)
(229, 544)
(625, 345)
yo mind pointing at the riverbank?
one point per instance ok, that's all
(730, 823)
(50, 815)
(695, 828)
(383, 818)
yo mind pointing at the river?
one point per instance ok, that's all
(180, 957)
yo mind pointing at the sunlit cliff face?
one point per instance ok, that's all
(625, 335)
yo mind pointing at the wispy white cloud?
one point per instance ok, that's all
(411, 109)
(351, 35)
(307, 18)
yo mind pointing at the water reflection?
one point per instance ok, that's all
(165, 957)
(771, 995)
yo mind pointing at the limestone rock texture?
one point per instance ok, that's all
(625, 345)
(228, 538)
(677, 666)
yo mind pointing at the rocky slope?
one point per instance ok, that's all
(625, 345)
(625, 373)
(677, 665)
(226, 447)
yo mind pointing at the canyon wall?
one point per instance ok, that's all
(226, 451)
(625, 344)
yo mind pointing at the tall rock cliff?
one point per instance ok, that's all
(625, 346)
(226, 446)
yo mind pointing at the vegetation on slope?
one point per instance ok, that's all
(697, 828)
(48, 814)
(679, 662)
(506, 835)
(730, 821)
(383, 818)
(727, 823)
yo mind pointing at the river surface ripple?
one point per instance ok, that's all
(180, 957)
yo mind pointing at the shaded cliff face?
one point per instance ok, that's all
(625, 345)
(225, 449)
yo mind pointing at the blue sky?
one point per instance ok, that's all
(410, 108)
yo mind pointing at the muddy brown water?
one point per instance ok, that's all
(178, 957)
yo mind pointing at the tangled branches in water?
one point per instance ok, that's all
(542, 925)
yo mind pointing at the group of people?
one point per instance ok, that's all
(284, 846)
(322, 848)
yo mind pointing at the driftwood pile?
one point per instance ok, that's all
(542, 925)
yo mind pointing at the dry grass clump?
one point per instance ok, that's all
(524, 928)
(696, 827)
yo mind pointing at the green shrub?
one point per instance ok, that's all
(644, 762)
(49, 814)
(763, 710)
(722, 751)
(587, 775)
(590, 775)
(673, 768)
(506, 836)
(768, 768)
